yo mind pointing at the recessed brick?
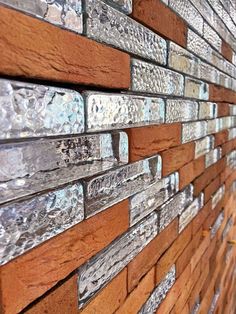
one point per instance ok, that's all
(190, 171)
(221, 137)
(223, 109)
(219, 93)
(227, 51)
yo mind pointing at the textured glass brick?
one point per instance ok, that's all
(214, 301)
(207, 110)
(159, 293)
(33, 166)
(107, 25)
(213, 156)
(104, 266)
(196, 89)
(116, 111)
(212, 37)
(213, 126)
(225, 123)
(122, 5)
(217, 196)
(190, 212)
(232, 109)
(27, 224)
(198, 45)
(174, 207)
(193, 130)
(228, 226)
(232, 133)
(204, 145)
(181, 60)
(217, 224)
(65, 13)
(188, 12)
(208, 73)
(180, 110)
(231, 159)
(110, 188)
(150, 199)
(150, 78)
(30, 110)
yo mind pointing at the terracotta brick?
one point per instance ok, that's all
(223, 109)
(201, 217)
(219, 93)
(110, 298)
(211, 189)
(175, 158)
(155, 15)
(150, 254)
(191, 171)
(205, 242)
(32, 274)
(148, 141)
(226, 51)
(139, 295)
(172, 254)
(221, 137)
(228, 147)
(32, 48)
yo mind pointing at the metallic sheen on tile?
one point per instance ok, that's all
(204, 145)
(27, 224)
(180, 110)
(122, 5)
(213, 156)
(116, 111)
(193, 130)
(104, 266)
(232, 134)
(212, 37)
(112, 187)
(231, 159)
(196, 89)
(207, 110)
(107, 25)
(150, 78)
(30, 110)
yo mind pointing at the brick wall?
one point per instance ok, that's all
(118, 156)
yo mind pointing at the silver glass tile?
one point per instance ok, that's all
(196, 89)
(34, 166)
(159, 293)
(122, 5)
(188, 12)
(193, 131)
(181, 60)
(198, 46)
(225, 123)
(196, 306)
(213, 126)
(150, 78)
(104, 266)
(64, 13)
(228, 254)
(204, 145)
(217, 196)
(110, 188)
(232, 134)
(180, 110)
(231, 159)
(228, 226)
(208, 73)
(190, 212)
(29, 223)
(217, 224)
(213, 156)
(116, 111)
(107, 25)
(174, 207)
(214, 302)
(207, 110)
(232, 110)
(30, 110)
(151, 198)
(212, 37)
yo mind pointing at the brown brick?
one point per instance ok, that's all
(200, 250)
(223, 109)
(150, 254)
(175, 158)
(211, 189)
(221, 137)
(139, 295)
(201, 217)
(228, 147)
(32, 48)
(32, 274)
(227, 51)
(191, 171)
(155, 15)
(219, 93)
(148, 141)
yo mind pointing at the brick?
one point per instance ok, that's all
(227, 147)
(219, 93)
(191, 171)
(139, 295)
(32, 274)
(147, 141)
(155, 15)
(223, 109)
(202, 246)
(175, 158)
(227, 51)
(221, 137)
(201, 217)
(211, 189)
(35, 49)
(150, 254)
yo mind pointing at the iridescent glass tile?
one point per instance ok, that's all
(151, 198)
(217, 224)
(228, 226)
(29, 223)
(122, 5)
(213, 156)
(193, 130)
(159, 293)
(190, 212)
(207, 110)
(112, 187)
(30, 110)
(217, 196)
(115, 111)
(33, 166)
(180, 110)
(104, 266)
(174, 207)
(106, 24)
(196, 89)
(204, 145)
(65, 13)
(150, 78)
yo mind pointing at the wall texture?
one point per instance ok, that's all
(117, 156)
